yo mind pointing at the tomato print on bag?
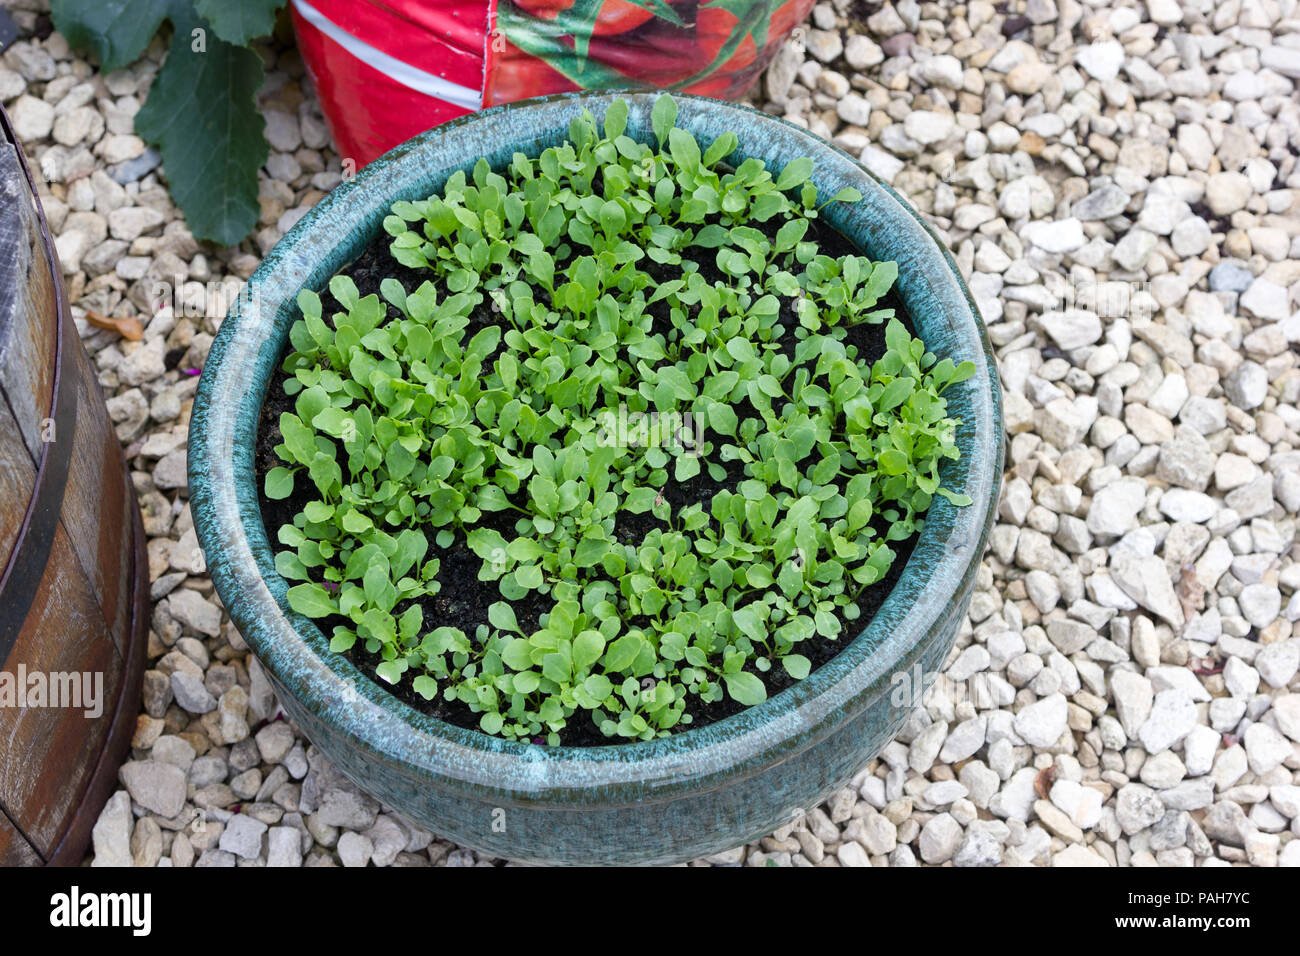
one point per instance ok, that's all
(386, 70)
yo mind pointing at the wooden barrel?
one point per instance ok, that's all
(73, 572)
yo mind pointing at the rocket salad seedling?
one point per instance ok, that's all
(516, 406)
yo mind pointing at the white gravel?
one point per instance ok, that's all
(1118, 183)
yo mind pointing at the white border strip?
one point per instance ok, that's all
(394, 69)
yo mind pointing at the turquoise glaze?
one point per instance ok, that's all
(696, 792)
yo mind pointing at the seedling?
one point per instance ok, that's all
(607, 280)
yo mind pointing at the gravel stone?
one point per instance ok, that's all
(1042, 723)
(354, 849)
(243, 837)
(284, 847)
(1137, 807)
(1117, 184)
(191, 694)
(157, 787)
(111, 835)
(940, 838)
(347, 808)
(1173, 715)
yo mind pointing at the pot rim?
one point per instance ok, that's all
(225, 498)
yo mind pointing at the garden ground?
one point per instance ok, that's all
(1118, 182)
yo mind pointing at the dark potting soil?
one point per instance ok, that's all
(463, 599)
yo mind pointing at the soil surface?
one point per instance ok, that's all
(463, 599)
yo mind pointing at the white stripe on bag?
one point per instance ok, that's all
(394, 69)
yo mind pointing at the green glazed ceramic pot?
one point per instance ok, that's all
(668, 800)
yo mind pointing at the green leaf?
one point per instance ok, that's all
(685, 150)
(239, 21)
(895, 393)
(518, 654)
(612, 217)
(526, 682)
(745, 688)
(598, 686)
(686, 468)
(640, 500)
(425, 686)
(524, 549)
(663, 116)
(311, 600)
(502, 616)
(390, 671)
(796, 172)
(544, 494)
(590, 551)
(379, 589)
(202, 115)
(615, 119)
(722, 419)
(957, 498)
(332, 421)
(354, 522)
(892, 461)
(279, 483)
(622, 653)
(721, 148)
(796, 665)
(587, 648)
(788, 236)
(748, 623)
(557, 667)
(896, 336)
(116, 30)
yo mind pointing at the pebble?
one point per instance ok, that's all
(274, 741)
(1132, 624)
(284, 847)
(1265, 748)
(928, 127)
(1115, 507)
(980, 847)
(354, 849)
(1277, 663)
(940, 838)
(1137, 807)
(111, 836)
(1101, 60)
(1134, 697)
(191, 695)
(1173, 715)
(157, 787)
(861, 52)
(347, 808)
(1042, 723)
(1247, 385)
(32, 118)
(243, 836)
(195, 612)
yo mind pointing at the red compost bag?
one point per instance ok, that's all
(386, 70)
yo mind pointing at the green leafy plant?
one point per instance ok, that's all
(201, 111)
(606, 329)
